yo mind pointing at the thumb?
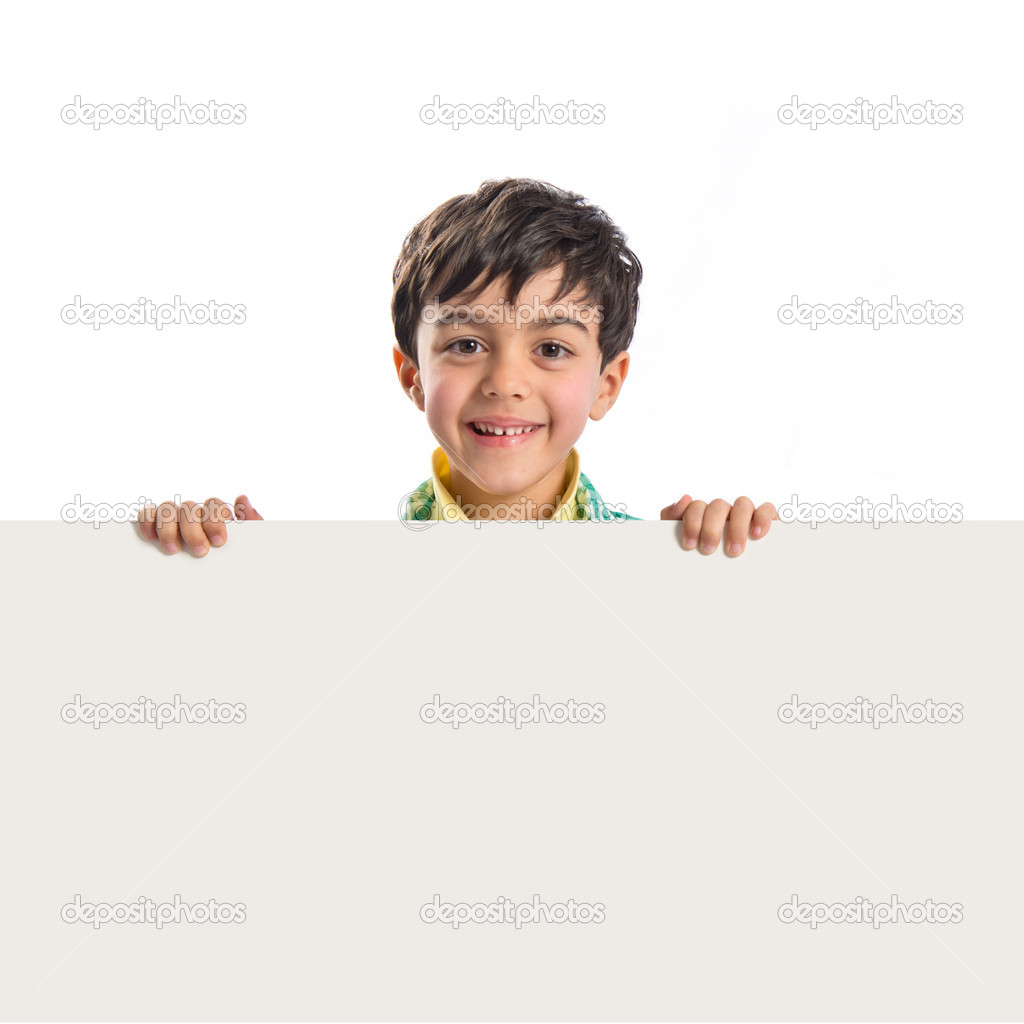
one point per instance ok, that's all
(676, 511)
(244, 510)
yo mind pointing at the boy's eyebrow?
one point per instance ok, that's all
(556, 321)
(451, 320)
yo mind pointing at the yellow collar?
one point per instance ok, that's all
(446, 508)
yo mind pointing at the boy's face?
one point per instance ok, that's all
(536, 364)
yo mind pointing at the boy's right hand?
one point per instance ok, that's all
(191, 524)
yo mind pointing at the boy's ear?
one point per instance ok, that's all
(408, 377)
(612, 378)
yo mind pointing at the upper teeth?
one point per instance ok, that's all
(487, 428)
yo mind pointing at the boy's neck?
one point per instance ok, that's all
(542, 498)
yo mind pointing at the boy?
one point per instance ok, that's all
(513, 309)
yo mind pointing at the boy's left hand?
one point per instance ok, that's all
(704, 523)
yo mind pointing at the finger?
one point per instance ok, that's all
(244, 510)
(693, 517)
(217, 514)
(676, 511)
(146, 519)
(738, 525)
(714, 522)
(167, 527)
(762, 520)
(190, 525)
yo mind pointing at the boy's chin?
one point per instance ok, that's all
(503, 486)
(503, 480)
(501, 473)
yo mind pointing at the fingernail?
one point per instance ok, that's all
(734, 549)
(172, 547)
(217, 540)
(198, 551)
(756, 531)
(708, 548)
(689, 543)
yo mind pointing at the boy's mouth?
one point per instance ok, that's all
(501, 428)
(503, 433)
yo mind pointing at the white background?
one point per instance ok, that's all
(300, 214)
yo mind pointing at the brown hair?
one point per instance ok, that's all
(518, 227)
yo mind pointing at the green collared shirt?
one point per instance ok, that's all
(432, 500)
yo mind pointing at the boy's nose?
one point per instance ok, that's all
(507, 377)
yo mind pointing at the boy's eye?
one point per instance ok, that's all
(550, 350)
(545, 347)
(464, 341)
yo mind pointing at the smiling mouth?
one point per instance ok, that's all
(486, 429)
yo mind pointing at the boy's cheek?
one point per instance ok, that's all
(443, 403)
